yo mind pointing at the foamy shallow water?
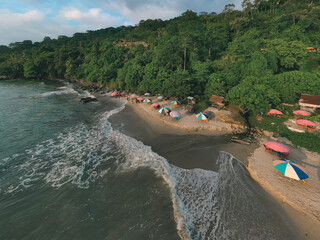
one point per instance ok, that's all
(89, 180)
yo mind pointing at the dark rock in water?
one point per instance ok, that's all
(88, 99)
(102, 92)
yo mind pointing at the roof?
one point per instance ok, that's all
(215, 98)
(309, 99)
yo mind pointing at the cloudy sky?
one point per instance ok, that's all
(35, 19)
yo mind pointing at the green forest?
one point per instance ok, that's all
(256, 58)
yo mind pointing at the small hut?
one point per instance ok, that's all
(217, 101)
(309, 102)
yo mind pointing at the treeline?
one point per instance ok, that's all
(256, 58)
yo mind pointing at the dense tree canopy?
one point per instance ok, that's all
(256, 58)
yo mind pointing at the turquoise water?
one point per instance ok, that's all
(66, 173)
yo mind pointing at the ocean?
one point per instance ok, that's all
(68, 172)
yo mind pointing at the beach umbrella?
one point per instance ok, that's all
(164, 110)
(291, 169)
(148, 100)
(275, 112)
(114, 94)
(123, 94)
(301, 112)
(277, 147)
(176, 102)
(306, 123)
(155, 105)
(160, 97)
(140, 98)
(134, 95)
(176, 115)
(147, 94)
(202, 116)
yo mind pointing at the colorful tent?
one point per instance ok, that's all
(301, 112)
(155, 105)
(176, 103)
(202, 116)
(148, 100)
(123, 94)
(274, 112)
(291, 169)
(114, 94)
(305, 122)
(164, 111)
(176, 115)
(277, 147)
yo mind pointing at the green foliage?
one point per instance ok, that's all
(256, 57)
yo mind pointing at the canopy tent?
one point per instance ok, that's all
(300, 112)
(155, 105)
(274, 112)
(276, 147)
(311, 126)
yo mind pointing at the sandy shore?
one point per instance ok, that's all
(304, 197)
(220, 122)
(300, 201)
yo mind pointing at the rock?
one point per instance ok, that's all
(88, 99)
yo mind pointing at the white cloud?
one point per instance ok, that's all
(35, 25)
(94, 17)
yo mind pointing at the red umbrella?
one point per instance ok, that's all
(301, 112)
(155, 105)
(123, 94)
(306, 123)
(140, 98)
(275, 146)
(114, 94)
(274, 111)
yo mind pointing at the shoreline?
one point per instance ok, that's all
(306, 222)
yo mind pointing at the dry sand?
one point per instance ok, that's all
(304, 197)
(300, 200)
(220, 122)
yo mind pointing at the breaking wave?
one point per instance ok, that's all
(63, 90)
(207, 204)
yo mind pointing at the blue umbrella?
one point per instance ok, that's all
(291, 169)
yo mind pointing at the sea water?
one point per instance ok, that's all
(66, 173)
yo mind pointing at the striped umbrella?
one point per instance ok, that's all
(278, 147)
(202, 116)
(291, 169)
(148, 100)
(306, 123)
(176, 115)
(164, 110)
(176, 102)
(301, 112)
(275, 112)
(155, 105)
(114, 94)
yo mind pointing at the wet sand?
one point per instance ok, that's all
(190, 149)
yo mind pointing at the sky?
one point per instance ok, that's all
(34, 19)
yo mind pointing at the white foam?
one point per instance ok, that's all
(64, 90)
